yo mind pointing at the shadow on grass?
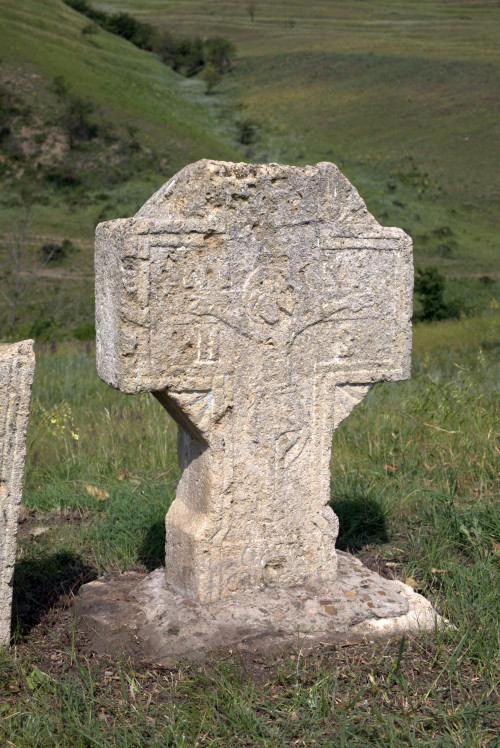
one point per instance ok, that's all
(152, 549)
(39, 584)
(362, 521)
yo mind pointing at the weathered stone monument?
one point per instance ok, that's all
(258, 304)
(17, 367)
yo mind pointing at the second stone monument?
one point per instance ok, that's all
(17, 368)
(258, 304)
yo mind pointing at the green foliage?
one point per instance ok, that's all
(87, 9)
(211, 76)
(429, 289)
(218, 52)
(189, 56)
(76, 118)
(85, 332)
(247, 131)
(125, 25)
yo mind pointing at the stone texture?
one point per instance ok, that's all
(259, 304)
(144, 616)
(17, 367)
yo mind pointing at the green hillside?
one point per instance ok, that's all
(148, 122)
(131, 87)
(402, 95)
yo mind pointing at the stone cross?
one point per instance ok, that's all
(258, 304)
(17, 367)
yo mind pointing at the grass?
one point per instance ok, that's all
(129, 85)
(378, 696)
(150, 122)
(415, 484)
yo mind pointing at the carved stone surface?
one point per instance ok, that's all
(17, 367)
(259, 304)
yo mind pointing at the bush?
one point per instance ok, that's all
(85, 332)
(429, 289)
(75, 118)
(86, 9)
(52, 251)
(211, 76)
(63, 175)
(189, 57)
(125, 25)
(247, 131)
(218, 52)
(166, 48)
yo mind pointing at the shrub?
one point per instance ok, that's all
(75, 118)
(125, 25)
(218, 52)
(189, 57)
(63, 175)
(429, 289)
(86, 9)
(85, 332)
(52, 251)
(247, 131)
(211, 76)
(166, 48)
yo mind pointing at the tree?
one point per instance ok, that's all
(211, 76)
(252, 10)
(218, 52)
(189, 57)
(140, 34)
(429, 289)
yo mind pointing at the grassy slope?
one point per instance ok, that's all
(128, 84)
(41, 40)
(400, 95)
(371, 86)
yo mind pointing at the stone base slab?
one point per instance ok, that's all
(141, 615)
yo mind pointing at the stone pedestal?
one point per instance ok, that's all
(144, 616)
